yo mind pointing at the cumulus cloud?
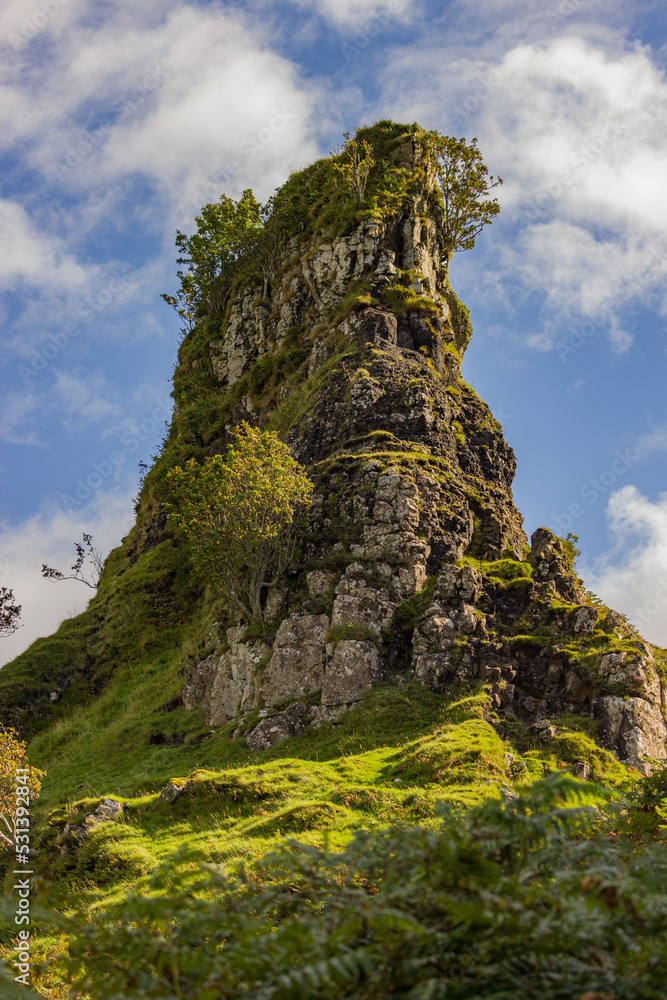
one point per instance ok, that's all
(632, 577)
(47, 537)
(32, 257)
(134, 120)
(577, 127)
(353, 13)
(176, 95)
(17, 418)
(654, 440)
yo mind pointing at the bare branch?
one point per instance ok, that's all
(83, 552)
(9, 612)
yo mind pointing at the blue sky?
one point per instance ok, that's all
(119, 120)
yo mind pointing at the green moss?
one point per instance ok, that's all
(575, 742)
(464, 751)
(661, 662)
(410, 612)
(404, 300)
(351, 630)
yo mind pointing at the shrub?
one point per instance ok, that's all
(517, 898)
(14, 803)
(464, 183)
(241, 514)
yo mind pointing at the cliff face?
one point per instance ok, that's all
(414, 566)
(415, 563)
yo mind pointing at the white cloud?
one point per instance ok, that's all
(17, 418)
(181, 94)
(135, 119)
(48, 537)
(75, 400)
(652, 441)
(356, 14)
(632, 577)
(577, 127)
(33, 257)
(82, 399)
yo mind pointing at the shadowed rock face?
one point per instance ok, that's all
(412, 474)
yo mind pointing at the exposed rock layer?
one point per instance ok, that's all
(412, 474)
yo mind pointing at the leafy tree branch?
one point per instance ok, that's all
(463, 183)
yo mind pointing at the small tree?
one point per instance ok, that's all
(225, 232)
(356, 165)
(464, 184)
(268, 244)
(77, 573)
(9, 612)
(241, 514)
(12, 760)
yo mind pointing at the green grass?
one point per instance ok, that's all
(387, 761)
(503, 572)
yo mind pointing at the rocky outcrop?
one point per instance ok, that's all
(297, 665)
(632, 727)
(224, 684)
(351, 671)
(413, 496)
(105, 812)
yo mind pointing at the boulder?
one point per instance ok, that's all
(461, 584)
(269, 732)
(358, 604)
(351, 672)
(634, 672)
(173, 790)
(584, 620)
(297, 665)
(319, 583)
(106, 811)
(232, 687)
(633, 728)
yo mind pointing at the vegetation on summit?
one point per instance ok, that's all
(237, 240)
(464, 184)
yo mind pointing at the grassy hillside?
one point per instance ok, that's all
(390, 760)
(100, 700)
